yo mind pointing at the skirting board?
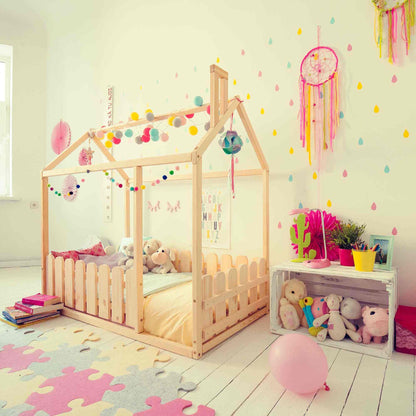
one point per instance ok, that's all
(20, 262)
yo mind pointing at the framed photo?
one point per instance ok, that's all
(384, 255)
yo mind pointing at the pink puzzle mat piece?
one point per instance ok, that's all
(16, 359)
(70, 386)
(173, 408)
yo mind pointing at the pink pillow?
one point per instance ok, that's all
(71, 254)
(97, 250)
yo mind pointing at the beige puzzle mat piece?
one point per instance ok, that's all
(92, 409)
(122, 356)
(14, 390)
(51, 340)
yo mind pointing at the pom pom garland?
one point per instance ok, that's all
(193, 130)
(198, 101)
(177, 122)
(150, 116)
(134, 116)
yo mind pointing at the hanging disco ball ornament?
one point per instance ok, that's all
(231, 142)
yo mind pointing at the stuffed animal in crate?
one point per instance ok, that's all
(163, 259)
(351, 309)
(150, 247)
(376, 324)
(127, 262)
(293, 291)
(338, 325)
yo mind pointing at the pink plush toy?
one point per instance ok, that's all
(376, 324)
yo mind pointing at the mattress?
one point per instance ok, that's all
(168, 313)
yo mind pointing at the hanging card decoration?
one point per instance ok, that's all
(61, 137)
(399, 17)
(319, 113)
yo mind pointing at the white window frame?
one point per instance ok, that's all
(6, 191)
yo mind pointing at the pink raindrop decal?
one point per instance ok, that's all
(279, 225)
(291, 102)
(276, 87)
(394, 231)
(176, 75)
(243, 52)
(260, 74)
(345, 173)
(394, 79)
(349, 47)
(373, 206)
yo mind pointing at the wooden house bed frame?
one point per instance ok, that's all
(226, 296)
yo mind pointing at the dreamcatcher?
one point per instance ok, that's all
(391, 9)
(319, 114)
(231, 144)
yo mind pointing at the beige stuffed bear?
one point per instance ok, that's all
(150, 247)
(163, 259)
(338, 325)
(127, 262)
(293, 291)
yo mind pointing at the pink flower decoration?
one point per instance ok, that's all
(317, 241)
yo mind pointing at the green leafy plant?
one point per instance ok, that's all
(346, 234)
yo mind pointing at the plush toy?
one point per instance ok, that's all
(319, 307)
(127, 262)
(163, 259)
(292, 292)
(376, 324)
(306, 305)
(150, 247)
(338, 326)
(351, 309)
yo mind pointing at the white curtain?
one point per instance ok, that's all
(4, 150)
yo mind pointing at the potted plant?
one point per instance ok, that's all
(345, 235)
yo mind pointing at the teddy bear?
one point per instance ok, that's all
(163, 259)
(376, 324)
(293, 291)
(127, 262)
(351, 309)
(150, 247)
(338, 325)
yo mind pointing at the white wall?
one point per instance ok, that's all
(139, 47)
(20, 225)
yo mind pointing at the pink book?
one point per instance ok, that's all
(41, 300)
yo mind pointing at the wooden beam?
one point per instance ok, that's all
(219, 71)
(214, 99)
(125, 331)
(134, 123)
(214, 175)
(130, 163)
(127, 209)
(109, 157)
(197, 258)
(266, 225)
(45, 229)
(212, 132)
(138, 243)
(67, 152)
(252, 136)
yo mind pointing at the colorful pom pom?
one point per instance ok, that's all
(143, 187)
(193, 130)
(207, 125)
(171, 172)
(189, 115)
(118, 134)
(128, 133)
(164, 177)
(150, 116)
(198, 101)
(110, 135)
(116, 140)
(120, 185)
(154, 134)
(138, 140)
(209, 109)
(145, 139)
(108, 144)
(134, 116)
(170, 120)
(100, 134)
(177, 122)
(164, 137)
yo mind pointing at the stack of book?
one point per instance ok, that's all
(32, 309)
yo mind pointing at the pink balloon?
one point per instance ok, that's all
(298, 363)
(61, 137)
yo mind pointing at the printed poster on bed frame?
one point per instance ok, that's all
(216, 224)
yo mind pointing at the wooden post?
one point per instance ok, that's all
(223, 95)
(214, 99)
(45, 228)
(196, 257)
(266, 236)
(127, 209)
(138, 242)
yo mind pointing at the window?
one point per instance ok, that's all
(5, 120)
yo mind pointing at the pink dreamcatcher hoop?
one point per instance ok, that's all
(319, 115)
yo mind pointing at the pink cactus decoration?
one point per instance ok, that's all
(61, 137)
(315, 229)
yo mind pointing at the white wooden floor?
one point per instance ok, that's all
(234, 378)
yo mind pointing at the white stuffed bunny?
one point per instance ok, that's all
(163, 259)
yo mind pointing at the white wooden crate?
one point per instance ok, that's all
(377, 288)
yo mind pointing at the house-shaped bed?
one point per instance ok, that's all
(225, 296)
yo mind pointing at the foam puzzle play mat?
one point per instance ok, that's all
(64, 372)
